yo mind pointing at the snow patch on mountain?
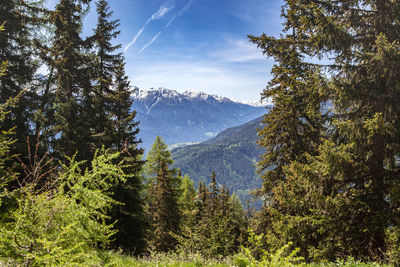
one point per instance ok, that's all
(190, 116)
(164, 93)
(254, 103)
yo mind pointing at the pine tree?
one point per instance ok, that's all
(164, 193)
(344, 184)
(188, 192)
(115, 128)
(16, 49)
(124, 129)
(108, 63)
(69, 56)
(217, 224)
(130, 218)
(159, 152)
(6, 141)
(293, 130)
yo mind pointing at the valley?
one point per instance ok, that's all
(188, 117)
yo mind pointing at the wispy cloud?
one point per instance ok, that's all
(135, 38)
(161, 12)
(183, 10)
(171, 20)
(149, 43)
(244, 84)
(237, 51)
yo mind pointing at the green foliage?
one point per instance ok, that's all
(158, 153)
(115, 127)
(195, 260)
(6, 174)
(72, 125)
(3, 67)
(215, 226)
(284, 256)
(331, 180)
(64, 224)
(188, 191)
(164, 190)
(162, 259)
(232, 155)
(105, 64)
(17, 55)
(393, 242)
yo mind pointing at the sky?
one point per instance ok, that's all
(198, 45)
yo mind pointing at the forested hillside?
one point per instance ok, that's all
(232, 154)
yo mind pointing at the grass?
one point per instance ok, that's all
(193, 260)
(163, 259)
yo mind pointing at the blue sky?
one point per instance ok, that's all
(197, 45)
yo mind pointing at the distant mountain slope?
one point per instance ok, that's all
(231, 154)
(187, 117)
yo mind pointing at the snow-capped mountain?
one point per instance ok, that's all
(252, 103)
(187, 117)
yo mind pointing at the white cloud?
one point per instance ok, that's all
(161, 12)
(149, 43)
(245, 84)
(134, 38)
(183, 10)
(171, 20)
(238, 51)
(186, 7)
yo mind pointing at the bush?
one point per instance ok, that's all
(255, 255)
(64, 224)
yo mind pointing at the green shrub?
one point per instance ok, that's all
(255, 255)
(65, 224)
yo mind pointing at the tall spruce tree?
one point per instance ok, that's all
(188, 193)
(293, 130)
(72, 129)
(6, 141)
(345, 188)
(106, 62)
(164, 193)
(130, 218)
(217, 224)
(16, 48)
(124, 129)
(115, 127)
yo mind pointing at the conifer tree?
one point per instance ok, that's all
(188, 192)
(69, 56)
(217, 224)
(16, 49)
(164, 193)
(108, 63)
(124, 128)
(345, 186)
(115, 128)
(159, 152)
(293, 129)
(6, 141)
(131, 222)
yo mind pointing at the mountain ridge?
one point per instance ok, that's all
(188, 117)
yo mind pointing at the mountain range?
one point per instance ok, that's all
(232, 154)
(188, 117)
